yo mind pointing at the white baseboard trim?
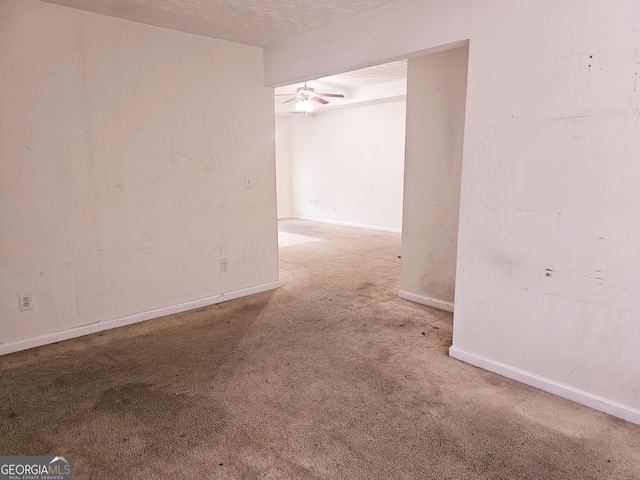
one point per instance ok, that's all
(563, 390)
(430, 302)
(348, 224)
(25, 344)
(284, 217)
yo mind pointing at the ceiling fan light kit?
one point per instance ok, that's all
(305, 106)
(305, 95)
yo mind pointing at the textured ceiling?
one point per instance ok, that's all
(252, 22)
(364, 77)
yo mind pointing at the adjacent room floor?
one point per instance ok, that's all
(331, 376)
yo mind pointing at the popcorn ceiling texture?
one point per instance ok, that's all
(257, 22)
(364, 77)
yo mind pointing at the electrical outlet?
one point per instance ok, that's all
(224, 265)
(26, 301)
(248, 181)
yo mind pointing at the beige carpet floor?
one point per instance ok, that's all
(331, 376)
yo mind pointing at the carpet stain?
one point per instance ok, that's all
(139, 399)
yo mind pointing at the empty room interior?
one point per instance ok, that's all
(276, 239)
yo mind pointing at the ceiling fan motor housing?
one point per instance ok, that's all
(307, 91)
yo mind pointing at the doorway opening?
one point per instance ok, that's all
(401, 173)
(344, 162)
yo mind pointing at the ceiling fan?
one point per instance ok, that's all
(305, 94)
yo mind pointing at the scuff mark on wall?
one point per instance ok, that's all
(574, 299)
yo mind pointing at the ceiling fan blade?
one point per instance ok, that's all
(319, 100)
(290, 100)
(336, 95)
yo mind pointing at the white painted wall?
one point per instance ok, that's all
(436, 91)
(283, 165)
(549, 177)
(346, 162)
(123, 151)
